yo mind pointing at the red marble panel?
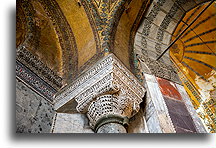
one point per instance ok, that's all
(169, 89)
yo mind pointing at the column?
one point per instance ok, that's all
(108, 93)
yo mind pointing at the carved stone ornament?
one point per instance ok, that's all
(108, 90)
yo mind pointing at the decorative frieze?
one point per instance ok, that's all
(159, 69)
(35, 82)
(108, 88)
(39, 68)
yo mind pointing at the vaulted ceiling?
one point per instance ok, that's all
(59, 39)
(67, 36)
(194, 52)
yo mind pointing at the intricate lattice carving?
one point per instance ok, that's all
(111, 105)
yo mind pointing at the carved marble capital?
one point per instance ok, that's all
(107, 88)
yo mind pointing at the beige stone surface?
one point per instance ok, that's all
(71, 123)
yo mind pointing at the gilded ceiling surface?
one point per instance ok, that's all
(194, 53)
(44, 41)
(68, 36)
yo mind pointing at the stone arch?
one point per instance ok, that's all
(48, 41)
(155, 32)
(152, 37)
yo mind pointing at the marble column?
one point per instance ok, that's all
(108, 93)
(112, 128)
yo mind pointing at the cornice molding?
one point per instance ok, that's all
(34, 64)
(33, 81)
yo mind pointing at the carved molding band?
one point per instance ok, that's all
(39, 68)
(108, 88)
(35, 82)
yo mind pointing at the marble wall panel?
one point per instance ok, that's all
(137, 123)
(197, 121)
(152, 121)
(71, 123)
(156, 108)
(156, 96)
(169, 89)
(179, 115)
(33, 113)
(178, 111)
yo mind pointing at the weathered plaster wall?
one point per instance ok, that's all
(33, 113)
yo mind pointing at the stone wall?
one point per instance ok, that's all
(33, 113)
(71, 123)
